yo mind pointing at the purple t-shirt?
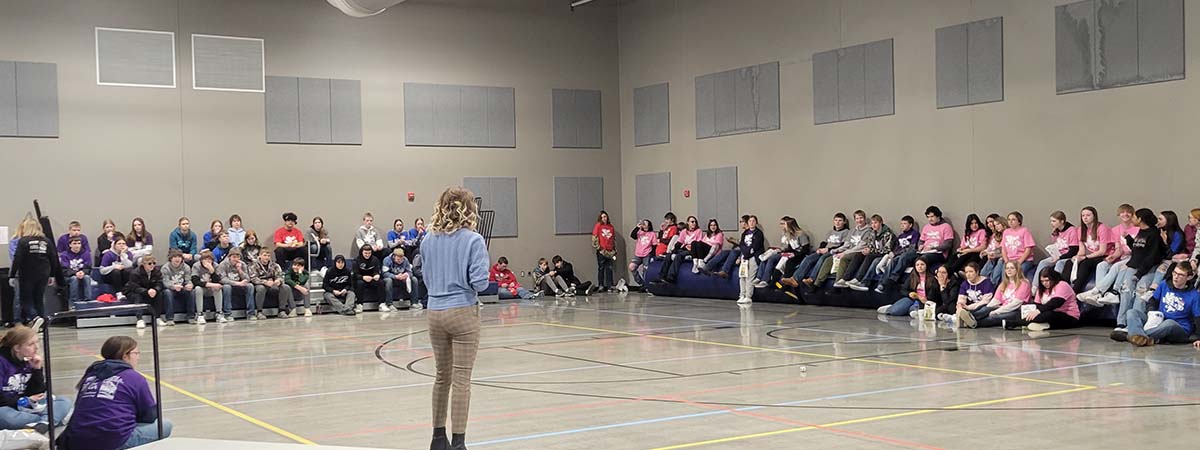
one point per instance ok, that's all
(106, 411)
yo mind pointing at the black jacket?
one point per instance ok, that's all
(757, 243)
(35, 259)
(140, 281)
(366, 266)
(567, 272)
(1147, 250)
(336, 279)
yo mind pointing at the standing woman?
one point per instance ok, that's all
(140, 241)
(753, 243)
(643, 237)
(604, 242)
(1097, 244)
(115, 409)
(456, 270)
(32, 266)
(105, 240)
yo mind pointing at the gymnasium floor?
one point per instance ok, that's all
(638, 372)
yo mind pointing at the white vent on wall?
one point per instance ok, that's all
(228, 63)
(363, 8)
(139, 58)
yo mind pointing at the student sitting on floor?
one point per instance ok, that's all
(235, 278)
(237, 234)
(367, 234)
(937, 238)
(74, 230)
(297, 280)
(1005, 305)
(77, 269)
(975, 293)
(178, 287)
(1065, 244)
(206, 280)
(879, 242)
(116, 264)
(565, 270)
(890, 268)
(1147, 250)
(139, 239)
(368, 278)
(793, 243)
(145, 286)
(1175, 307)
(116, 408)
(753, 245)
(221, 250)
(1018, 243)
(722, 264)
(547, 279)
(1054, 305)
(397, 282)
(214, 229)
(644, 237)
(182, 238)
(250, 246)
(993, 255)
(21, 369)
(267, 277)
(970, 249)
(338, 286)
(916, 291)
(945, 290)
(810, 264)
(105, 240)
(509, 287)
(838, 258)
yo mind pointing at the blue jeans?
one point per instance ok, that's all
(604, 269)
(873, 271)
(80, 289)
(1168, 331)
(994, 270)
(723, 262)
(1129, 295)
(14, 419)
(765, 269)
(997, 320)
(146, 433)
(521, 293)
(1106, 275)
(809, 265)
(1052, 260)
(899, 263)
(392, 285)
(903, 306)
(227, 294)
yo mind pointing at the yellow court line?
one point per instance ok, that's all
(819, 355)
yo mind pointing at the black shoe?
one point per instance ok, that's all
(440, 443)
(462, 446)
(1119, 336)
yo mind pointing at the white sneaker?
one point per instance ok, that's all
(857, 286)
(1145, 296)
(883, 309)
(916, 314)
(161, 322)
(944, 317)
(383, 307)
(879, 289)
(1109, 298)
(307, 312)
(840, 284)
(141, 324)
(622, 286)
(1037, 326)
(744, 301)
(200, 319)
(760, 284)
(221, 318)
(358, 308)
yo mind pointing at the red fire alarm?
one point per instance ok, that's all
(687, 193)
(412, 196)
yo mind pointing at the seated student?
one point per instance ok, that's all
(565, 270)
(74, 230)
(889, 268)
(937, 238)
(297, 281)
(1096, 244)
(338, 286)
(413, 238)
(368, 284)
(970, 250)
(222, 248)
(1066, 243)
(397, 282)
(993, 256)
(644, 237)
(879, 242)
(145, 286)
(250, 246)
(604, 243)
(116, 264)
(214, 229)
(1176, 306)
(548, 280)
(77, 269)
(267, 277)
(945, 291)
(206, 280)
(1054, 303)
(722, 264)
(235, 279)
(1108, 270)
(289, 241)
(1005, 305)
(1146, 251)
(855, 243)
(1018, 242)
(237, 234)
(1189, 233)
(681, 250)
(178, 287)
(1174, 238)
(975, 293)
(667, 230)
(395, 236)
(509, 287)
(367, 234)
(713, 239)
(21, 369)
(793, 244)
(318, 244)
(182, 238)
(139, 240)
(105, 239)
(916, 291)
(753, 245)
(808, 267)
(116, 408)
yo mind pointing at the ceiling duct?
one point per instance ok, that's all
(363, 8)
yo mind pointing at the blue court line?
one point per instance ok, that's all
(751, 408)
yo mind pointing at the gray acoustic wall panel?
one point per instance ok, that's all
(282, 99)
(37, 99)
(315, 113)
(737, 101)
(135, 58)
(8, 98)
(345, 104)
(1102, 44)
(854, 82)
(970, 63)
(227, 63)
(577, 203)
(577, 119)
(652, 115)
(437, 115)
(499, 194)
(717, 196)
(653, 195)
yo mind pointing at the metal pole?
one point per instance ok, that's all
(157, 373)
(49, 379)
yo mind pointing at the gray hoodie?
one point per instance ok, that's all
(836, 238)
(856, 240)
(230, 274)
(367, 236)
(176, 276)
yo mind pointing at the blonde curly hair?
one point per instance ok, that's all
(455, 209)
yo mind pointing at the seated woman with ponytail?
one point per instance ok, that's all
(23, 397)
(116, 409)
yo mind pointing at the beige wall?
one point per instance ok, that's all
(162, 153)
(1035, 152)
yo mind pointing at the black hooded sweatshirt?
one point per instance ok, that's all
(35, 259)
(1147, 250)
(364, 266)
(336, 279)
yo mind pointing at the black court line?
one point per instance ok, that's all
(593, 361)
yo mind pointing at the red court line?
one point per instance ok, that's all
(590, 405)
(1117, 390)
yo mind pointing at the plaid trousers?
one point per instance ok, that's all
(454, 335)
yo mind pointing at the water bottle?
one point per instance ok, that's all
(23, 403)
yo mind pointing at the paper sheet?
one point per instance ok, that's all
(4, 235)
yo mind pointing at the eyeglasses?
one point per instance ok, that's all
(150, 263)
(1181, 274)
(135, 353)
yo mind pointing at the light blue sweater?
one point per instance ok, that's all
(455, 267)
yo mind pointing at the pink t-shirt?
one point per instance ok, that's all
(689, 236)
(974, 239)
(921, 288)
(1014, 293)
(1103, 240)
(1120, 231)
(933, 235)
(1066, 239)
(645, 243)
(717, 240)
(1016, 240)
(1062, 290)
